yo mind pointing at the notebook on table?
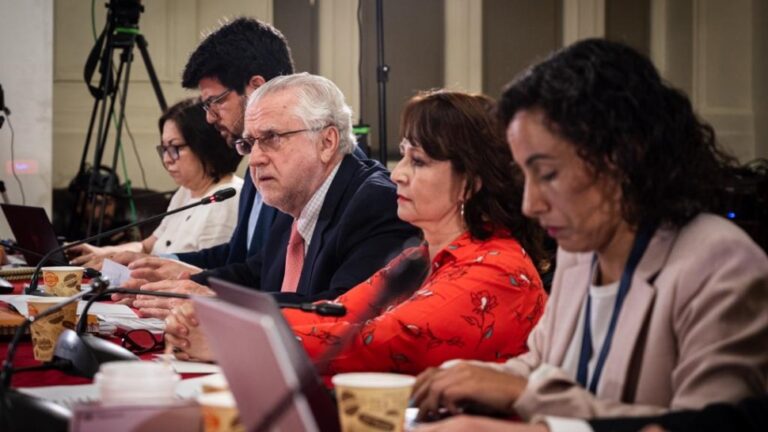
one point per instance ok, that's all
(263, 361)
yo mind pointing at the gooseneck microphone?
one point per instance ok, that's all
(6, 397)
(322, 308)
(218, 196)
(401, 281)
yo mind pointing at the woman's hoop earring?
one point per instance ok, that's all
(461, 210)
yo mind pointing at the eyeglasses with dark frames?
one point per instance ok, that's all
(270, 141)
(173, 150)
(142, 341)
(215, 101)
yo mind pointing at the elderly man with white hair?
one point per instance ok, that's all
(338, 222)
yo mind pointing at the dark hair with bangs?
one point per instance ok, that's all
(218, 158)
(235, 52)
(462, 129)
(609, 101)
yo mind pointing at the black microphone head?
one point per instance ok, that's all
(405, 277)
(99, 284)
(222, 195)
(91, 272)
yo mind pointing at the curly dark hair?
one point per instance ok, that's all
(462, 129)
(235, 52)
(218, 159)
(609, 101)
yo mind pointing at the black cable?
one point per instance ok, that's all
(13, 162)
(360, 57)
(136, 153)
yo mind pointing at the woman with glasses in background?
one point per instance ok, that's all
(201, 163)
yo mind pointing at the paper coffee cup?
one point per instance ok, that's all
(372, 401)
(46, 332)
(219, 412)
(214, 383)
(62, 281)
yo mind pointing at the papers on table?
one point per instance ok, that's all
(116, 273)
(111, 316)
(187, 366)
(106, 310)
(67, 396)
(75, 394)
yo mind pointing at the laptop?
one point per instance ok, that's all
(269, 373)
(33, 231)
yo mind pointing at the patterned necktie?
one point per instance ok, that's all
(294, 260)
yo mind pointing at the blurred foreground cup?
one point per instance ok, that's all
(372, 401)
(46, 331)
(220, 412)
(136, 383)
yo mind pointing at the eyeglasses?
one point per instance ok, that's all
(142, 341)
(173, 150)
(213, 101)
(270, 141)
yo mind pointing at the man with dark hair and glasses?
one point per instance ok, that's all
(338, 219)
(227, 66)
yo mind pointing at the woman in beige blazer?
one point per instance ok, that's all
(657, 303)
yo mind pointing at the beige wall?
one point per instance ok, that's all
(25, 74)
(173, 29)
(715, 50)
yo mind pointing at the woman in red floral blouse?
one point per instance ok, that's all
(483, 294)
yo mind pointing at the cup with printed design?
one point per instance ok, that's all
(46, 332)
(372, 401)
(220, 413)
(63, 281)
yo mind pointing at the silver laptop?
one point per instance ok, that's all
(269, 373)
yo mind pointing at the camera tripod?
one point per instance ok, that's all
(121, 33)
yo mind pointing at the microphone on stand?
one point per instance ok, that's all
(83, 352)
(218, 196)
(7, 397)
(402, 281)
(325, 308)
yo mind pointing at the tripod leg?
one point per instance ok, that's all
(142, 43)
(126, 60)
(109, 92)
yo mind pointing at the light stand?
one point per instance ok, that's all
(121, 32)
(382, 76)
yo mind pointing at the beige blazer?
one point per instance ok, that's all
(697, 334)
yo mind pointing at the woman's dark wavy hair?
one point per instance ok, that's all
(462, 129)
(235, 52)
(218, 159)
(609, 101)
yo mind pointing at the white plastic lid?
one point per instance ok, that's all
(221, 399)
(373, 380)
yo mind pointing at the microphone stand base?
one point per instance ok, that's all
(86, 353)
(26, 412)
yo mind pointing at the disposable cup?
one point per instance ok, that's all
(62, 281)
(214, 383)
(219, 412)
(136, 383)
(46, 331)
(372, 401)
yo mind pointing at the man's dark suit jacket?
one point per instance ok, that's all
(749, 415)
(236, 250)
(357, 233)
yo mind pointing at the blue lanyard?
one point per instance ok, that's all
(644, 235)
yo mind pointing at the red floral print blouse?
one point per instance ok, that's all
(480, 301)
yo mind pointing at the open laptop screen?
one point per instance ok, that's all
(34, 231)
(262, 359)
